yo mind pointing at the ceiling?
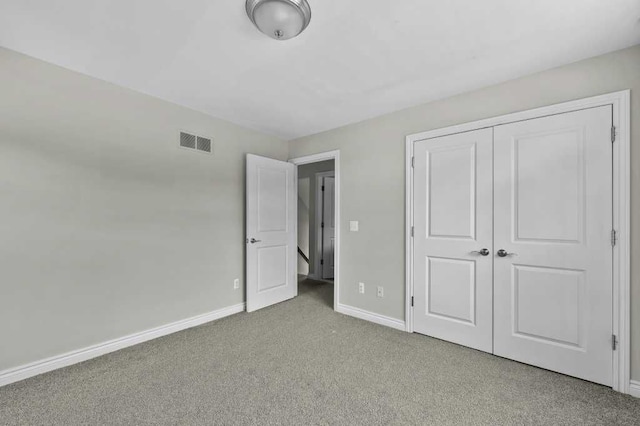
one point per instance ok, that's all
(357, 59)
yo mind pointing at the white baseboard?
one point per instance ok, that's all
(634, 388)
(370, 316)
(32, 369)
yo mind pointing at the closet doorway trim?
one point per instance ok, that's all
(620, 102)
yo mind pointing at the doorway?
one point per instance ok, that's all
(316, 229)
(273, 197)
(318, 183)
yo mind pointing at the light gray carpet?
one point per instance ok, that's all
(300, 363)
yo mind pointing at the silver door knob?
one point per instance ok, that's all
(483, 252)
(504, 253)
(253, 241)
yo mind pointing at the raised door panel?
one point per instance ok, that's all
(272, 200)
(272, 267)
(451, 202)
(451, 289)
(548, 186)
(549, 305)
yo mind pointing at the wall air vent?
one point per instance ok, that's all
(195, 142)
(187, 140)
(204, 144)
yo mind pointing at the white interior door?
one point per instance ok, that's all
(553, 216)
(328, 227)
(453, 206)
(270, 232)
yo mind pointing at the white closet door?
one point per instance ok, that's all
(553, 216)
(453, 222)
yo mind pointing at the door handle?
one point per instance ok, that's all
(253, 241)
(483, 252)
(504, 253)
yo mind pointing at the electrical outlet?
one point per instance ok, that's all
(236, 283)
(380, 291)
(361, 288)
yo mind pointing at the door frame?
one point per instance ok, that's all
(317, 267)
(314, 158)
(621, 203)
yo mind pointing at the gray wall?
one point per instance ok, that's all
(308, 171)
(108, 228)
(373, 173)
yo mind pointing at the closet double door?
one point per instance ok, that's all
(512, 249)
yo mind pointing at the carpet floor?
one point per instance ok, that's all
(299, 363)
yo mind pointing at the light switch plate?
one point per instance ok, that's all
(353, 226)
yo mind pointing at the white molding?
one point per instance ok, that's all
(594, 101)
(53, 363)
(314, 158)
(371, 316)
(622, 250)
(620, 102)
(408, 312)
(634, 388)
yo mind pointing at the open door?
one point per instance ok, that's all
(270, 232)
(328, 227)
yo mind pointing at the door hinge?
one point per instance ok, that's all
(322, 261)
(412, 232)
(413, 161)
(321, 224)
(614, 342)
(411, 300)
(613, 134)
(614, 237)
(323, 187)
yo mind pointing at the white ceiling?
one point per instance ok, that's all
(357, 59)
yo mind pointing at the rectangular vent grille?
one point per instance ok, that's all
(187, 140)
(195, 142)
(204, 144)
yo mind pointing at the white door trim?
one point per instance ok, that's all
(317, 267)
(621, 211)
(314, 158)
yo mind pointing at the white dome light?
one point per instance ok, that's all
(279, 19)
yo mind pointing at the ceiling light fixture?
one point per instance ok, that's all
(279, 19)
